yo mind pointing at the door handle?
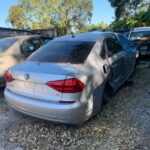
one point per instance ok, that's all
(114, 65)
(105, 69)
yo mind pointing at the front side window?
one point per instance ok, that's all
(113, 46)
(6, 43)
(63, 52)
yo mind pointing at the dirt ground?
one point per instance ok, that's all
(123, 124)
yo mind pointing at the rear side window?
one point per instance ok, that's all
(113, 46)
(30, 45)
(6, 43)
(63, 52)
(45, 40)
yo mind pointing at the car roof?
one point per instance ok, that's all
(88, 36)
(9, 38)
(138, 29)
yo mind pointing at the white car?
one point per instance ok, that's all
(14, 50)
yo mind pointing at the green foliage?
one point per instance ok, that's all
(125, 8)
(73, 15)
(140, 16)
(94, 27)
(140, 19)
(65, 15)
(100, 26)
(17, 17)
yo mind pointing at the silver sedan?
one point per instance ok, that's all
(65, 80)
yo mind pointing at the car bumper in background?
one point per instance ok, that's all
(75, 113)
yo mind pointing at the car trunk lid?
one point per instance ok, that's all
(30, 80)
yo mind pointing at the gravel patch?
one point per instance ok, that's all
(8, 119)
(123, 124)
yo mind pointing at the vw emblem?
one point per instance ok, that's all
(27, 76)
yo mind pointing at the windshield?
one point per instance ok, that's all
(142, 35)
(6, 43)
(63, 52)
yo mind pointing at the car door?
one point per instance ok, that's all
(115, 56)
(8, 55)
(30, 45)
(130, 58)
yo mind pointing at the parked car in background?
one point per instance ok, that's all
(66, 79)
(140, 39)
(14, 50)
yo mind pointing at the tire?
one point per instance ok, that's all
(105, 99)
(107, 94)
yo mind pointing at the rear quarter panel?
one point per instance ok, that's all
(94, 79)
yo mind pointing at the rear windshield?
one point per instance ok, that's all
(6, 43)
(63, 52)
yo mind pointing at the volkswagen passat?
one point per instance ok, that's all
(65, 80)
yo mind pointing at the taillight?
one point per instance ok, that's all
(8, 76)
(72, 85)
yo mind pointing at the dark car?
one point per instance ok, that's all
(14, 50)
(140, 39)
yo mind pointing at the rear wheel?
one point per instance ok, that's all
(106, 98)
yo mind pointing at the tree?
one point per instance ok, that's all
(73, 15)
(65, 15)
(125, 8)
(142, 18)
(131, 18)
(17, 17)
(98, 27)
(102, 25)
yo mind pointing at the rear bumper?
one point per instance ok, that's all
(75, 113)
